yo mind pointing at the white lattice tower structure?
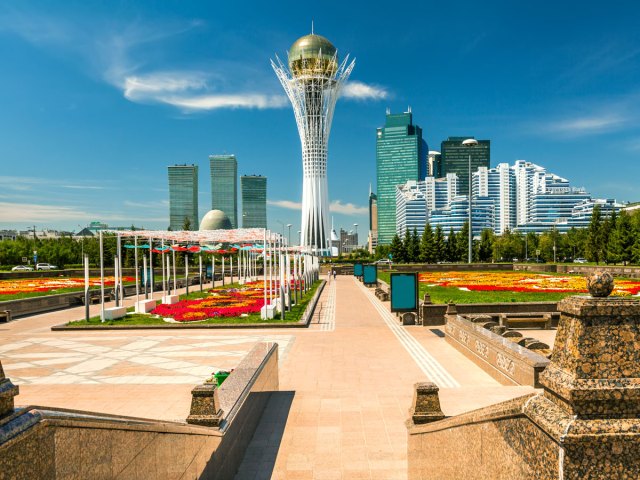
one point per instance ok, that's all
(312, 82)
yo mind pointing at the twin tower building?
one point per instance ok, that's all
(183, 197)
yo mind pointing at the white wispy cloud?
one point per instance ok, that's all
(129, 56)
(18, 183)
(335, 207)
(361, 91)
(33, 212)
(288, 204)
(153, 204)
(589, 124)
(347, 208)
(212, 102)
(83, 187)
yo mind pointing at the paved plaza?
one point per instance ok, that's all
(346, 383)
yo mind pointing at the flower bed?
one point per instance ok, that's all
(520, 282)
(12, 287)
(219, 303)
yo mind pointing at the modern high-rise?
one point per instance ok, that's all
(224, 186)
(401, 155)
(254, 201)
(373, 221)
(312, 81)
(183, 196)
(499, 185)
(434, 164)
(455, 159)
(411, 208)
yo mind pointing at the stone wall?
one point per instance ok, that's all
(434, 314)
(585, 424)
(503, 359)
(36, 442)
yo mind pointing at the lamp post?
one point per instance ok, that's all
(289, 225)
(470, 143)
(356, 237)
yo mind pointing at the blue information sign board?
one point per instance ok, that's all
(404, 292)
(370, 275)
(357, 269)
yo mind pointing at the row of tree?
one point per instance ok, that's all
(66, 251)
(609, 239)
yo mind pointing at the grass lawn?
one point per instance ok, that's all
(141, 319)
(455, 295)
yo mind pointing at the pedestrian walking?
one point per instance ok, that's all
(334, 273)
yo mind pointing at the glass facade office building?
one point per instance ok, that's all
(401, 155)
(254, 201)
(183, 196)
(224, 186)
(455, 159)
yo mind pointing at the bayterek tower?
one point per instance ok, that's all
(313, 81)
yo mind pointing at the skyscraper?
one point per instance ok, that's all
(434, 164)
(253, 189)
(455, 159)
(183, 196)
(224, 186)
(373, 221)
(312, 82)
(401, 155)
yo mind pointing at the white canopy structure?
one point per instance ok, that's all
(282, 265)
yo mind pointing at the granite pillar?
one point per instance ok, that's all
(591, 400)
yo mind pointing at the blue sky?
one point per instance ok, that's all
(98, 98)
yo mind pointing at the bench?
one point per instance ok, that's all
(5, 316)
(514, 320)
(114, 313)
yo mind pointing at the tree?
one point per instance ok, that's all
(382, 251)
(397, 249)
(485, 248)
(439, 244)
(186, 224)
(452, 247)
(594, 234)
(606, 237)
(463, 242)
(411, 246)
(427, 246)
(623, 238)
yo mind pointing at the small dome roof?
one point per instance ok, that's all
(215, 220)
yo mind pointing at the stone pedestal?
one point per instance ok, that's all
(426, 404)
(145, 306)
(205, 406)
(7, 391)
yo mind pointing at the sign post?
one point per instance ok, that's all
(404, 292)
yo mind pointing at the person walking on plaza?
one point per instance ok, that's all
(334, 273)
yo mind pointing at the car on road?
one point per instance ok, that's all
(384, 261)
(22, 268)
(580, 260)
(45, 266)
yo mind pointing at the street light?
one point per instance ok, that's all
(356, 237)
(470, 143)
(289, 225)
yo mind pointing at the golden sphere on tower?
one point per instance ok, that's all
(313, 55)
